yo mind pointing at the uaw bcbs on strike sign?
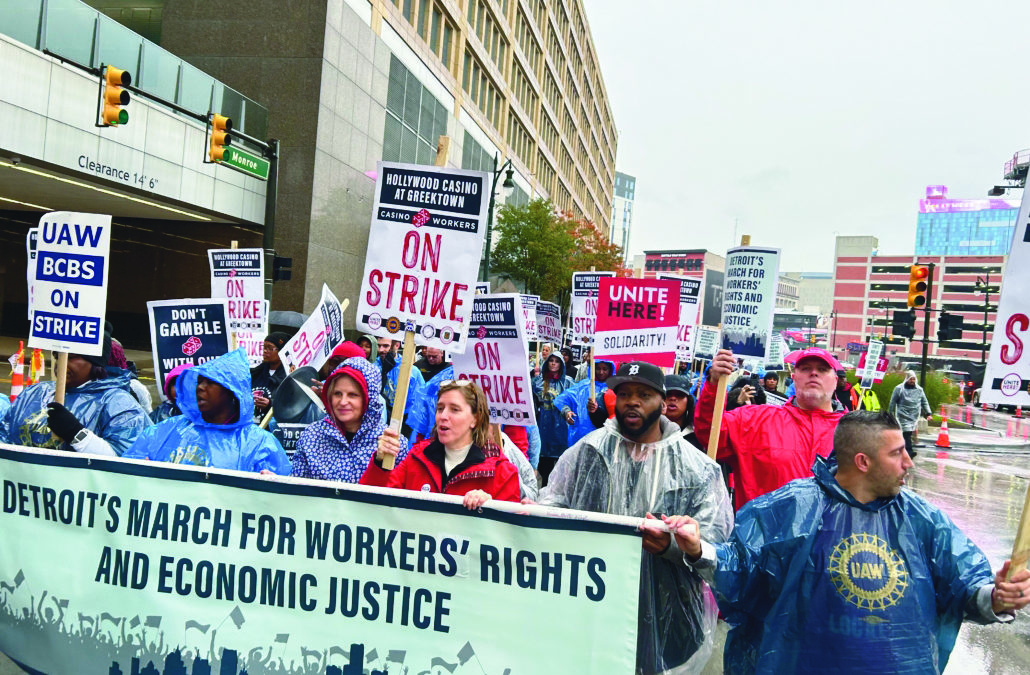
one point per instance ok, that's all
(424, 249)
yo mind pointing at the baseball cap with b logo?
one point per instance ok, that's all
(639, 372)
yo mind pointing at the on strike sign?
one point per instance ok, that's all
(548, 322)
(584, 304)
(637, 319)
(498, 358)
(69, 296)
(423, 216)
(318, 337)
(186, 332)
(238, 274)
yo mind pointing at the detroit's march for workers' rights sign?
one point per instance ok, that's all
(749, 299)
(584, 304)
(423, 254)
(497, 357)
(637, 320)
(69, 295)
(214, 571)
(707, 342)
(690, 295)
(189, 331)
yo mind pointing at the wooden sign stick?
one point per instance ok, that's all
(62, 377)
(593, 382)
(1021, 547)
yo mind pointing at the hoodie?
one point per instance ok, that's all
(554, 431)
(190, 439)
(813, 581)
(575, 399)
(324, 450)
(105, 407)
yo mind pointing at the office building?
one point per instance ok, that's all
(622, 212)
(948, 227)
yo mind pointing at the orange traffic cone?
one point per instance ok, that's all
(942, 437)
(1019, 412)
(37, 367)
(17, 372)
(961, 397)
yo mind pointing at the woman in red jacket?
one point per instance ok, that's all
(458, 459)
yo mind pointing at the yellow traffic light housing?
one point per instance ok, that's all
(114, 97)
(918, 280)
(220, 136)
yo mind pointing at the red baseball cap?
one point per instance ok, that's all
(813, 352)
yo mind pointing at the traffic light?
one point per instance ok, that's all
(903, 324)
(115, 97)
(220, 136)
(281, 268)
(918, 278)
(949, 327)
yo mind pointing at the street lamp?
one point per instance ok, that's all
(983, 285)
(833, 338)
(507, 186)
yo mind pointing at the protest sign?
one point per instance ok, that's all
(498, 358)
(1007, 377)
(529, 316)
(690, 293)
(184, 332)
(749, 299)
(482, 288)
(423, 216)
(318, 336)
(288, 433)
(548, 322)
(69, 303)
(637, 320)
(707, 343)
(224, 566)
(777, 350)
(252, 342)
(872, 365)
(31, 244)
(584, 304)
(238, 274)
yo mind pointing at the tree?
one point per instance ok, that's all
(531, 248)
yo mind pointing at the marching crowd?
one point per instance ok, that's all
(814, 554)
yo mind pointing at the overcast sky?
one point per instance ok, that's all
(802, 119)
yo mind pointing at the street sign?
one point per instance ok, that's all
(245, 162)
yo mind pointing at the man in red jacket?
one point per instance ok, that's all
(768, 446)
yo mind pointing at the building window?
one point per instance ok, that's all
(474, 156)
(415, 120)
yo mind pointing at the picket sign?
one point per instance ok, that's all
(720, 393)
(593, 379)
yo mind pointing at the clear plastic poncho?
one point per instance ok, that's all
(608, 473)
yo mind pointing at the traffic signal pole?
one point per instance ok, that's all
(926, 326)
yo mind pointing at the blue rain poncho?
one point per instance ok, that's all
(607, 473)
(106, 407)
(422, 418)
(575, 398)
(189, 439)
(812, 581)
(554, 431)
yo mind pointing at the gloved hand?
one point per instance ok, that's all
(60, 420)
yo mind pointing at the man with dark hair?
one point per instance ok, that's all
(848, 571)
(637, 465)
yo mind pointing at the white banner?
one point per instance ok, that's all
(690, 296)
(69, 303)
(1007, 377)
(423, 216)
(318, 337)
(707, 343)
(584, 304)
(238, 274)
(117, 559)
(548, 322)
(498, 358)
(529, 316)
(749, 298)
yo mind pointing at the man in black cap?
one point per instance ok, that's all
(639, 465)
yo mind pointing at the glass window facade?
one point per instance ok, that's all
(415, 120)
(987, 232)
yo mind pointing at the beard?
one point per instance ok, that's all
(634, 434)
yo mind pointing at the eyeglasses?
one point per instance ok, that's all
(457, 383)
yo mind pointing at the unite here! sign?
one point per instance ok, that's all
(637, 320)
(584, 304)
(69, 299)
(497, 357)
(424, 249)
(1007, 378)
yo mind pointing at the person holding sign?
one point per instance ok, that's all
(767, 446)
(99, 416)
(639, 465)
(216, 427)
(847, 571)
(340, 446)
(459, 459)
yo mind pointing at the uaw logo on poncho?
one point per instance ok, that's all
(498, 360)
(867, 572)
